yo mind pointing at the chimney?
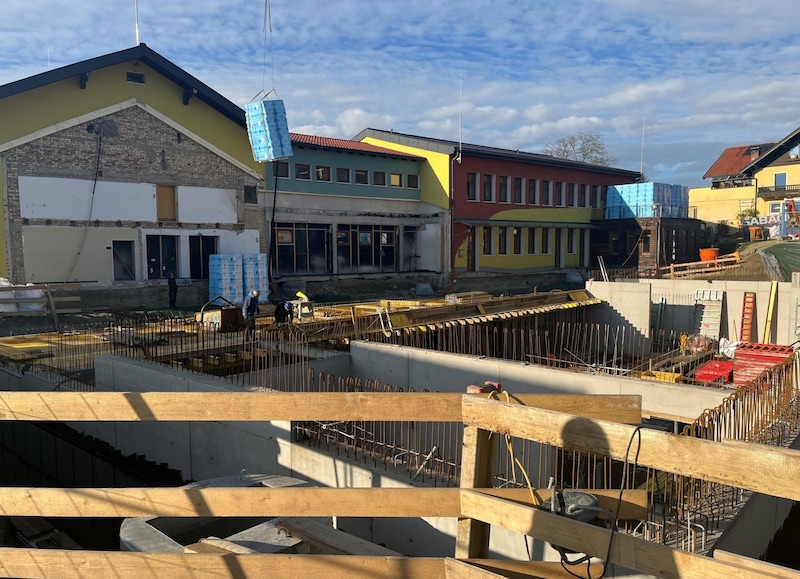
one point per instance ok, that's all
(755, 152)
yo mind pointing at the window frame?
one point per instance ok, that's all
(503, 191)
(341, 172)
(379, 181)
(472, 187)
(487, 186)
(396, 180)
(487, 241)
(412, 181)
(363, 174)
(302, 169)
(324, 170)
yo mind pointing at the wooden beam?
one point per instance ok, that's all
(24, 563)
(761, 468)
(477, 471)
(634, 502)
(626, 550)
(260, 406)
(330, 540)
(229, 502)
(756, 567)
(518, 569)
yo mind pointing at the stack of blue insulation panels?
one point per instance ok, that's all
(268, 130)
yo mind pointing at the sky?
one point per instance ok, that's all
(667, 85)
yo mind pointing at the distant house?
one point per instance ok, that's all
(750, 180)
(510, 211)
(349, 209)
(120, 169)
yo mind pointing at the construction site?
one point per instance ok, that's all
(629, 428)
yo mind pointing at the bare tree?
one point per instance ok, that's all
(586, 146)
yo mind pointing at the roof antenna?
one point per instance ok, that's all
(136, 9)
(460, 120)
(641, 157)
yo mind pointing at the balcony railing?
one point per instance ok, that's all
(779, 192)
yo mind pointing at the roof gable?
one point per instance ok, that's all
(81, 71)
(773, 154)
(734, 159)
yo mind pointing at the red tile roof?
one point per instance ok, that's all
(330, 143)
(734, 159)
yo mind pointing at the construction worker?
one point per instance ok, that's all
(250, 309)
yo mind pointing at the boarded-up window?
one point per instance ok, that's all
(167, 209)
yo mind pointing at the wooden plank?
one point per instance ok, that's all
(517, 569)
(65, 564)
(229, 502)
(761, 568)
(626, 550)
(761, 468)
(634, 502)
(260, 406)
(477, 471)
(330, 540)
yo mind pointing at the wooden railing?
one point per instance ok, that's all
(759, 468)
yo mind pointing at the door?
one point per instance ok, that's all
(123, 260)
(162, 255)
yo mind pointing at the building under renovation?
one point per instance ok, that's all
(624, 429)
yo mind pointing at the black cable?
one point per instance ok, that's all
(272, 223)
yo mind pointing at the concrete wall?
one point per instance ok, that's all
(408, 367)
(632, 301)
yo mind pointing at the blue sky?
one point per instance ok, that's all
(703, 75)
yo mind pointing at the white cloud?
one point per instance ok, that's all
(520, 75)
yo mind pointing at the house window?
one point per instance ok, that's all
(323, 173)
(533, 192)
(518, 189)
(646, 243)
(137, 77)
(488, 188)
(396, 180)
(571, 240)
(472, 186)
(531, 241)
(502, 240)
(413, 181)
(545, 245)
(283, 169)
(583, 201)
(517, 241)
(201, 247)
(487, 241)
(571, 200)
(559, 194)
(342, 175)
(775, 207)
(596, 196)
(379, 178)
(124, 269)
(546, 198)
(503, 193)
(250, 194)
(780, 180)
(162, 255)
(166, 204)
(302, 248)
(302, 171)
(362, 177)
(367, 248)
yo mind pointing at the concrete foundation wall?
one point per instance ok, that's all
(409, 367)
(632, 301)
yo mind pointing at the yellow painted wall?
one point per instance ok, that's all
(49, 105)
(523, 261)
(718, 205)
(551, 214)
(435, 177)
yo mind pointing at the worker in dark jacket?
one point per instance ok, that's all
(250, 309)
(172, 283)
